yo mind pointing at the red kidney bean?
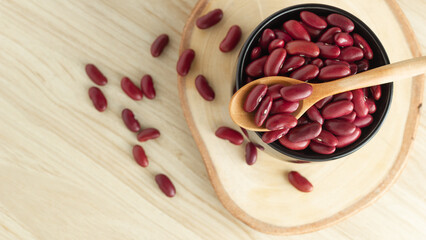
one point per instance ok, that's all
(283, 35)
(343, 96)
(344, 141)
(329, 62)
(343, 39)
(321, 103)
(147, 87)
(296, 30)
(231, 39)
(349, 117)
(340, 21)
(361, 43)
(159, 44)
(351, 54)
(318, 62)
(302, 120)
(376, 91)
(364, 121)
(313, 32)
(272, 136)
(366, 92)
(354, 68)
(297, 92)
(326, 138)
(305, 73)
(263, 111)
(302, 47)
(291, 64)
(148, 134)
(362, 65)
(320, 148)
(230, 134)
(312, 20)
(210, 19)
(328, 35)
(360, 106)
(304, 132)
(274, 91)
(315, 115)
(251, 153)
(204, 88)
(280, 121)
(328, 51)
(255, 53)
(267, 36)
(131, 89)
(299, 182)
(293, 145)
(185, 61)
(165, 185)
(333, 72)
(274, 62)
(140, 156)
(371, 106)
(245, 132)
(95, 75)
(129, 120)
(337, 109)
(283, 106)
(255, 68)
(98, 99)
(339, 127)
(276, 43)
(254, 97)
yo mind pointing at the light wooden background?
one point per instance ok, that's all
(66, 170)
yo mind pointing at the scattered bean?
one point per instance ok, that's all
(204, 88)
(231, 39)
(131, 89)
(185, 61)
(251, 153)
(165, 185)
(210, 19)
(230, 134)
(95, 75)
(98, 99)
(159, 44)
(299, 182)
(148, 134)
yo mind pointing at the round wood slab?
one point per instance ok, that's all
(260, 195)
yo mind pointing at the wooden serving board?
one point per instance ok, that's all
(260, 195)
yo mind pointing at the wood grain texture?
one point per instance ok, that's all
(66, 170)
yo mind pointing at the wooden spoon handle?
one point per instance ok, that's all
(384, 74)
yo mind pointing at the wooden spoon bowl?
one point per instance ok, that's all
(384, 74)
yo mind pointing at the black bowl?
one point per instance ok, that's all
(380, 58)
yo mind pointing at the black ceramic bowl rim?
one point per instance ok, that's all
(379, 51)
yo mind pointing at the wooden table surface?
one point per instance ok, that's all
(66, 170)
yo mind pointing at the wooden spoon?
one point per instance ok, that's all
(384, 74)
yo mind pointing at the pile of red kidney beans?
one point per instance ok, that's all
(311, 49)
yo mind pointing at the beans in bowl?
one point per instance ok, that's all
(312, 49)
